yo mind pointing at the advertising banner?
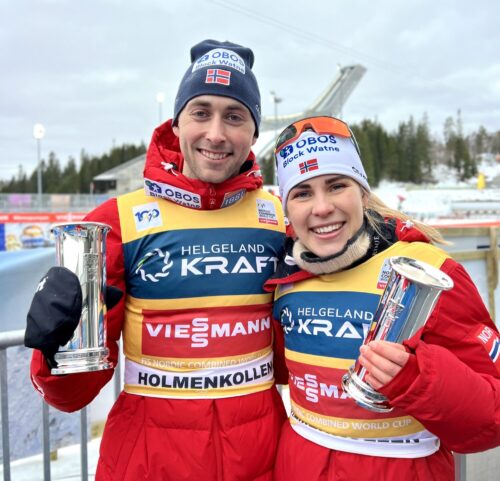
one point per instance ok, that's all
(27, 230)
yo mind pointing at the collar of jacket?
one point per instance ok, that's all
(163, 176)
(392, 230)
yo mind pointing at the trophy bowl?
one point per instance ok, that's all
(81, 248)
(408, 300)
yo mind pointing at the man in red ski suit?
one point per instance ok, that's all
(191, 253)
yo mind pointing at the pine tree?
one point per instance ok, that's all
(366, 153)
(495, 143)
(464, 163)
(424, 145)
(69, 178)
(480, 142)
(267, 168)
(52, 174)
(21, 181)
(449, 140)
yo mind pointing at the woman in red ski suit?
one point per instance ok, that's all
(443, 385)
(191, 255)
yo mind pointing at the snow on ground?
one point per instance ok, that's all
(447, 199)
(66, 467)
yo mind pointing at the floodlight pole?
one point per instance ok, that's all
(160, 98)
(38, 134)
(276, 100)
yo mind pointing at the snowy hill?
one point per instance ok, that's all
(447, 199)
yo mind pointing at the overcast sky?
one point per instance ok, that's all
(90, 71)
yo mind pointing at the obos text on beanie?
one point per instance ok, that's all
(312, 155)
(220, 68)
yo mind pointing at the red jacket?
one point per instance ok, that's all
(451, 385)
(150, 438)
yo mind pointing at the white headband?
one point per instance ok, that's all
(312, 155)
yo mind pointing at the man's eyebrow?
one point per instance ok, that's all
(236, 106)
(206, 103)
(199, 103)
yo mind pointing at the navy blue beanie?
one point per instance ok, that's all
(220, 68)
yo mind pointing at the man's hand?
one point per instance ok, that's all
(383, 360)
(54, 312)
(56, 309)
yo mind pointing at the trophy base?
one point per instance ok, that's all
(81, 360)
(364, 394)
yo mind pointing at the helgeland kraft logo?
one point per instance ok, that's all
(154, 276)
(199, 266)
(286, 320)
(202, 260)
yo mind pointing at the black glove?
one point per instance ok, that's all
(55, 311)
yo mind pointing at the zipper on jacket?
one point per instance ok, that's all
(212, 198)
(217, 442)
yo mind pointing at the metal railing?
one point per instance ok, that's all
(13, 339)
(16, 338)
(50, 202)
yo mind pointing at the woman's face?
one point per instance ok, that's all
(325, 212)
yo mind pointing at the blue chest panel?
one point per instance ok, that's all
(330, 324)
(201, 262)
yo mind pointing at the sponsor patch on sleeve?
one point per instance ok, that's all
(491, 342)
(172, 193)
(231, 198)
(383, 277)
(266, 212)
(147, 216)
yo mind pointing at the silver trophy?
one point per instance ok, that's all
(407, 302)
(81, 247)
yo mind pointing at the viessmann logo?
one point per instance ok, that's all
(200, 331)
(314, 389)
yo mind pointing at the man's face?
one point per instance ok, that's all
(215, 135)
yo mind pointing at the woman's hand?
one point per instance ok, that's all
(383, 360)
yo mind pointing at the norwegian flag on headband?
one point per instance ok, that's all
(218, 76)
(308, 165)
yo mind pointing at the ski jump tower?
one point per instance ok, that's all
(328, 103)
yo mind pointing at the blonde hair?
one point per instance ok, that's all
(377, 205)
